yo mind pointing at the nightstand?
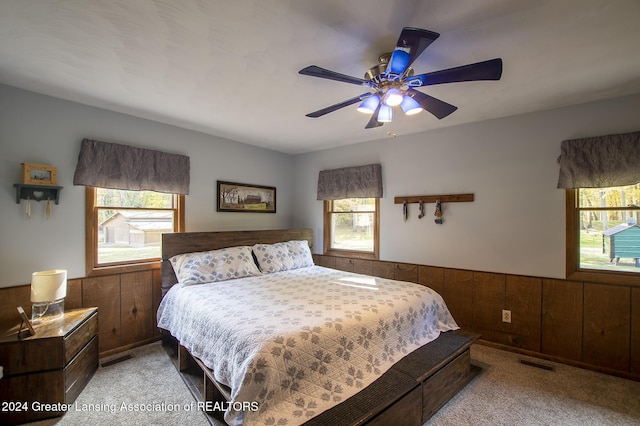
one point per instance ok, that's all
(45, 373)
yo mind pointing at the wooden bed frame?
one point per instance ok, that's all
(409, 393)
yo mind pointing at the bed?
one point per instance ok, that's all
(279, 340)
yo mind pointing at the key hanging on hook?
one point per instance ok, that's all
(405, 210)
(420, 209)
(438, 213)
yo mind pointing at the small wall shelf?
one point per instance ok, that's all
(445, 198)
(37, 192)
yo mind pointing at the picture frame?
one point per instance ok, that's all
(246, 198)
(25, 320)
(38, 174)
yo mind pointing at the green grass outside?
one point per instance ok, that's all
(113, 253)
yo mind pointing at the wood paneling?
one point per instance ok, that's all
(432, 277)
(136, 306)
(562, 318)
(384, 269)
(607, 322)
(10, 298)
(362, 266)
(406, 272)
(523, 297)
(458, 295)
(104, 292)
(326, 261)
(344, 264)
(635, 331)
(488, 303)
(74, 294)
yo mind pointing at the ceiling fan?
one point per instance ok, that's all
(392, 81)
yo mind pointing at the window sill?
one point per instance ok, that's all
(351, 254)
(123, 269)
(604, 277)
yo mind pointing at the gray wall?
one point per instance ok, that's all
(45, 130)
(516, 223)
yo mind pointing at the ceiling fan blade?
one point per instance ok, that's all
(338, 106)
(486, 70)
(411, 44)
(435, 106)
(373, 121)
(316, 71)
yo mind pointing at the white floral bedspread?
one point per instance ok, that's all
(299, 342)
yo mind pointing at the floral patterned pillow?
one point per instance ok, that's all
(216, 265)
(283, 256)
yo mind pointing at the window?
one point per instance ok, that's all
(124, 228)
(603, 233)
(351, 227)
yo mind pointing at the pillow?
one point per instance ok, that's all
(215, 265)
(283, 256)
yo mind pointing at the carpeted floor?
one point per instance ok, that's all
(507, 392)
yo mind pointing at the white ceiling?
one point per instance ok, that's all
(230, 68)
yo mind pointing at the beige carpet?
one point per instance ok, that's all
(508, 392)
(147, 383)
(505, 393)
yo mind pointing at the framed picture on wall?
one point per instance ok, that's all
(37, 174)
(242, 197)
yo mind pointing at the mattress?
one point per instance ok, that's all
(293, 344)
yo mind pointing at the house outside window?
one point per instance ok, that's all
(125, 228)
(351, 227)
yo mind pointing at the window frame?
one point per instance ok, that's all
(93, 268)
(573, 270)
(327, 250)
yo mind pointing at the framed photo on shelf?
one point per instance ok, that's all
(37, 174)
(242, 197)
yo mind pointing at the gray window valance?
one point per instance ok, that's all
(600, 162)
(115, 166)
(350, 182)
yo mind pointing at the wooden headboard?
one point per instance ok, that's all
(187, 242)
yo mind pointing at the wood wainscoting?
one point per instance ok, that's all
(127, 304)
(590, 325)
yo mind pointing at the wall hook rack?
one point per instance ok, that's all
(445, 198)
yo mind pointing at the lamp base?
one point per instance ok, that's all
(46, 311)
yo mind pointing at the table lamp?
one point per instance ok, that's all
(48, 290)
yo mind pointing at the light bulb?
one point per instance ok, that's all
(393, 97)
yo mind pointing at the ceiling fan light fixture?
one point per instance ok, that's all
(399, 61)
(410, 106)
(393, 97)
(370, 104)
(385, 115)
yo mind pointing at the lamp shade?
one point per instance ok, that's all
(48, 286)
(385, 114)
(369, 105)
(410, 106)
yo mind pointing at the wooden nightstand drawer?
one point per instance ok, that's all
(80, 370)
(50, 367)
(80, 336)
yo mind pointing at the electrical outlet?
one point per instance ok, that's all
(506, 316)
